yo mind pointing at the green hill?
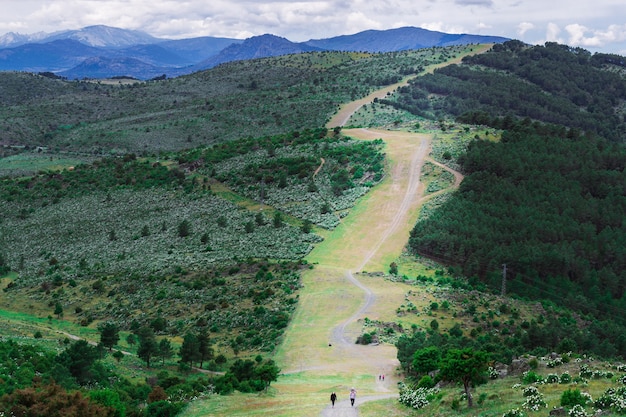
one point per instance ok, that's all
(180, 210)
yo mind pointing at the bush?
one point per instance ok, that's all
(571, 398)
(534, 402)
(552, 379)
(516, 412)
(426, 382)
(163, 409)
(530, 377)
(577, 411)
(417, 398)
(364, 339)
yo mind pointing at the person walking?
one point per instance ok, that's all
(352, 396)
(333, 398)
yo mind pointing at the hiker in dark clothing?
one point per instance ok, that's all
(333, 398)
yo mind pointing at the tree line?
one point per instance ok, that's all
(549, 203)
(553, 83)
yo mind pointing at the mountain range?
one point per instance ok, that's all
(103, 52)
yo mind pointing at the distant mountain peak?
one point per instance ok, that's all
(62, 51)
(106, 36)
(261, 46)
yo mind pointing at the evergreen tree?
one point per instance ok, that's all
(466, 366)
(204, 347)
(148, 346)
(165, 349)
(184, 229)
(267, 372)
(190, 349)
(109, 335)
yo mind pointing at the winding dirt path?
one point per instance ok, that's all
(318, 354)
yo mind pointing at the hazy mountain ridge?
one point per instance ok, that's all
(398, 40)
(64, 52)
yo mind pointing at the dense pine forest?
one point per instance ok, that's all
(549, 199)
(553, 83)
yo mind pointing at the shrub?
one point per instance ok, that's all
(516, 412)
(613, 399)
(554, 363)
(426, 382)
(585, 372)
(534, 402)
(364, 339)
(570, 398)
(530, 377)
(565, 378)
(416, 398)
(552, 379)
(577, 411)
(163, 409)
(530, 391)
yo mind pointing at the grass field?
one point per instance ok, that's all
(28, 163)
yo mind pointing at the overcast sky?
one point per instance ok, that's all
(597, 25)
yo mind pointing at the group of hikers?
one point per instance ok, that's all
(352, 395)
(333, 397)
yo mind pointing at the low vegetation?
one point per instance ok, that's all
(172, 243)
(234, 100)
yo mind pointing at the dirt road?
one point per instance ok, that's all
(318, 354)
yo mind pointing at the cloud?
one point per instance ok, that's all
(588, 24)
(442, 27)
(552, 33)
(485, 3)
(580, 35)
(524, 27)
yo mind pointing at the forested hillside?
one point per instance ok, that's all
(552, 83)
(549, 199)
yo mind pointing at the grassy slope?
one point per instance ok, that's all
(239, 99)
(312, 367)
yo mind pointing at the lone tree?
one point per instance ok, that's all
(190, 349)
(464, 365)
(267, 372)
(205, 351)
(148, 346)
(109, 335)
(58, 310)
(184, 228)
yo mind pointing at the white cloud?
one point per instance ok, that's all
(442, 27)
(524, 27)
(595, 24)
(580, 35)
(552, 33)
(485, 3)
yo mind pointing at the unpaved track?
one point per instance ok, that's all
(318, 353)
(397, 202)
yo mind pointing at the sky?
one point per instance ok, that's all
(599, 25)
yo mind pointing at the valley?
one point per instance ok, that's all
(281, 262)
(319, 354)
